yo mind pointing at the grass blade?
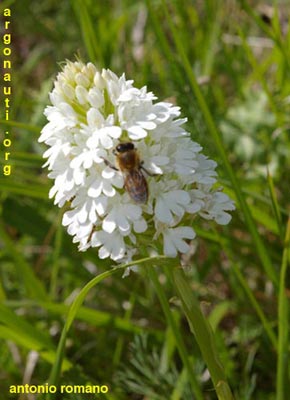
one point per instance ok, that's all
(275, 204)
(260, 247)
(283, 324)
(33, 286)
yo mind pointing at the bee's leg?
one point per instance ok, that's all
(91, 234)
(145, 170)
(109, 164)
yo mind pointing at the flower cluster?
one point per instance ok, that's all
(91, 113)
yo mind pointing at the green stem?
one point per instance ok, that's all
(172, 323)
(202, 332)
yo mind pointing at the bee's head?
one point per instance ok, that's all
(123, 147)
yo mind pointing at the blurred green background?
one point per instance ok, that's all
(238, 54)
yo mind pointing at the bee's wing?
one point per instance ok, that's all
(136, 185)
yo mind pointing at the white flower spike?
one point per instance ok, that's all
(126, 164)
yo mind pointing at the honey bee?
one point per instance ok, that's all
(128, 162)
